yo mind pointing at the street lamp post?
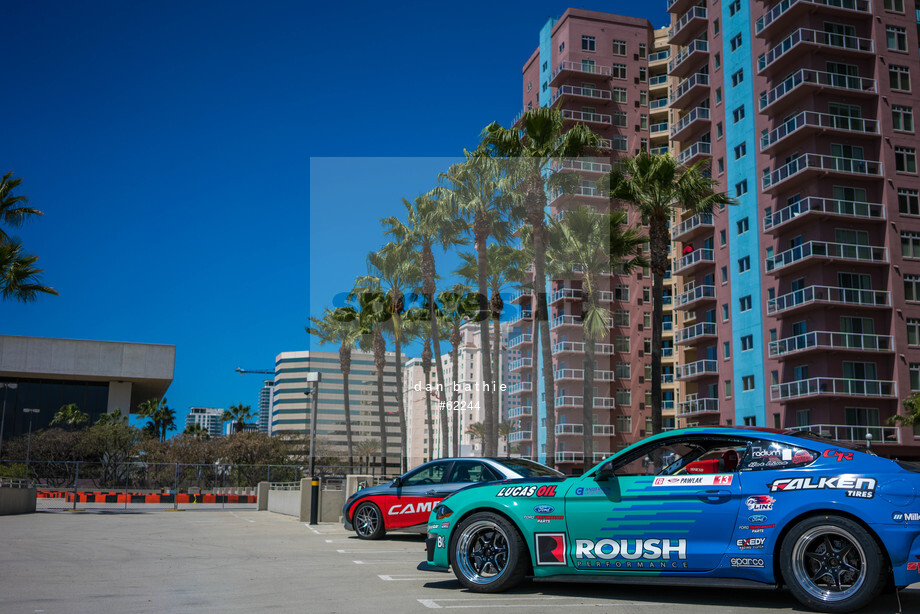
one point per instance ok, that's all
(29, 443)
(5, 386)
(315, 377)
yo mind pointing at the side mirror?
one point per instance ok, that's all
(604, 472)
(397, 482)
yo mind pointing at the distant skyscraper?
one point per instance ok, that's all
(208, 417)
(265, 406)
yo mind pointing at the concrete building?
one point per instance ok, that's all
(98, 376)
(804, 110)
(291, 407)
(210, 419)
(265, 406)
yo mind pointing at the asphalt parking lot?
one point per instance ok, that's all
(248, 561)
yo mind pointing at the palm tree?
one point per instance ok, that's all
(116, 417)
(366, 449)
(70, 416)
(458, 306)
(541, 140)
(238, 414)
(589, 241)
(481, 188)
(431, 221)
(162, 418)
(19, 278)
(480, 432)
(197, 431)
(417, 328)
(658, 187)
(14, 210)
(504, 430)
(340, 326)
(393, 271)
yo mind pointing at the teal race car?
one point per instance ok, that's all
(715, 506)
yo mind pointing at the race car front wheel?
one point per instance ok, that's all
(488, 554)
(368, 521)
(832, 564)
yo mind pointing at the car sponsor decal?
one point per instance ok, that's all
(694, 480)
(756, 528)
(631, 553)
(861, 488)
(841, 456)
(589, 491)
(544, 509)
(550, 548)
(527, 491)
(750, 543)
(543, 519)
(905, 516)
(757, 518)
(913, 566)
(760, 503)
(432, 527)
(440, 541)
(411, 508)
(746, 561)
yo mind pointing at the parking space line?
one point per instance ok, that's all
(387, 562)
(401, 577)
(365, 550)
(517, 602)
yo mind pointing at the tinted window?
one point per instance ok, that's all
(529, 469)
(768, 455)
(682, 457)
(471, 471)
(428, 474)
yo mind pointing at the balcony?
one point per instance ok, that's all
(692, 261)
(695, 406)
(578, 347)
(521, 294)
(565, 294)
(520, 436)
(697, 119)
(804, 41)
(820, 296)
(579, 70)
(520, 363)
(579, 374)
(659, 151)
(811, 166)
(855, 434)
(831, 341)
(581, 191)
(696, 370)
(692, 226)
(694, 333)
(689, 58)
(569, 457)
(810, 122)
(688, 26)
(834, 387)
(573, 92)
(583, 166)
(695, 84)
(519, 412)
(697, 151)
(821, 251)
(573, 401)
(807, 81)
(787, 11)
(658, 105)
(657, 82)
(564, 320)
(524, 318)
(520, 340)
(519, 387)
(587, 117)
(692, 298)
(657, 58)
(812, 209)
(578, 429)
(659, 129)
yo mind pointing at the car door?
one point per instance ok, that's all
(665, 507)
(414, 495)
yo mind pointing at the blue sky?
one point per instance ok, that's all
(169, 145)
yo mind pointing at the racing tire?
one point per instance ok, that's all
(368, 521)
(832, 564)
(488, 554)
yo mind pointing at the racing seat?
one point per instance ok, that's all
(730, 461)
(704, 466)
(462, 475)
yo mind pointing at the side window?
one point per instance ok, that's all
(769, 455)
(431, 474)
(471, 471)
(693, 457)
(654, 460)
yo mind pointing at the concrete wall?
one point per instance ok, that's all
(284, 502)
(17, 500)
(297, 502)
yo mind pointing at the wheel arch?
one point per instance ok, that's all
(504, 514)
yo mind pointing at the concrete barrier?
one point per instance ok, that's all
(17, 500)
(294, 500)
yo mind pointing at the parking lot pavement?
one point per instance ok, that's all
(246, 561)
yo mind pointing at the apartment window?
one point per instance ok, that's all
(619, 118)
(646, 294)
(643, 98)
(744, 264)
(747, 343)
(741, 188)
(894, 5)
(897, 38)
(718, 95)
(647, 320)
(619, 71)
(619, 94)
(587, 43)
(647, 345)
(910, 244)
(561, 46)
(643, 50)
(747, 383)
(722, 238)
(911, 287)
(545, 66)
(734, 7)
(902, 118)
(624, 423)
(905, 159)
(908, 201)
(899, 77)
(744, 303)
(914, 376)
(717, 60)
(715, 27)
(623, 370)
(740, 151)
(529, 85)
(720, 165)
(619, 47)
(719, 130)
(619, 142)
(725, 312)
(735, 42)
(723, 274)
(728, 389)
(738, 114)
(726, 349)
(643, 122)
(643, 74)
(743, 225)
(621, 344)
(737, 77)
(621, 317)
(545, 86)
(913, 331)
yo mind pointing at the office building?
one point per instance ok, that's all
(265, 406)
(210, 419)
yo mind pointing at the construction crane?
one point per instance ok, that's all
(243, 371)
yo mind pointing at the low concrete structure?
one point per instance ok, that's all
(15, 500)
(295, 499)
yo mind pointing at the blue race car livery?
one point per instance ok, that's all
(726, 506)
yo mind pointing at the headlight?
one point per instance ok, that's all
(442, 511)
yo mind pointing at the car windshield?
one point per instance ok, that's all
(529, 469)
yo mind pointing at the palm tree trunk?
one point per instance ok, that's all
(659, 243)
(480, 230)
(426, 367)
(400, 404)
(587, 417)
(455, 366)
(428, 288)
(496, 361)
(380, 363)
(534, 383)
(345, 365)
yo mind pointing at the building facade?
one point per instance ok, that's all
(265, 406)
(210, 419)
